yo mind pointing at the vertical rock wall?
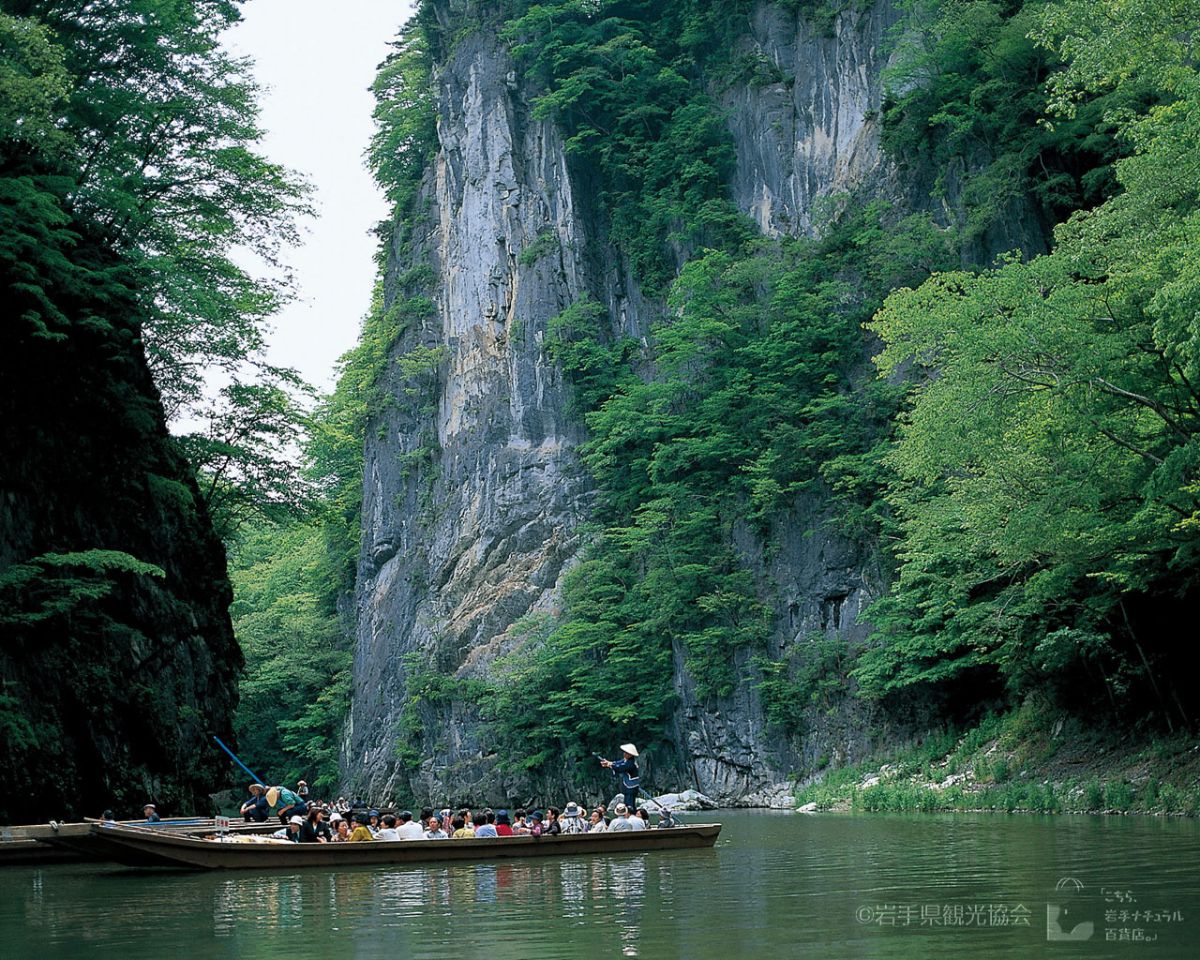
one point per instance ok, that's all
(117, 654)
(806, 131)
(460, 545)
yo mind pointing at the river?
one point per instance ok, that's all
(777, 885)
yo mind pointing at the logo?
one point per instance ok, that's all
(1062, 918)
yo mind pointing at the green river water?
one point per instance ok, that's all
(776, 885)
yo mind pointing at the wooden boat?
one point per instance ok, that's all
(140, 847)
(55, 842)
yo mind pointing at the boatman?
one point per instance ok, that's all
(290, 805)
(627, 769)
(256, 809)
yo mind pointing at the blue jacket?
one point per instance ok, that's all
(628, 772)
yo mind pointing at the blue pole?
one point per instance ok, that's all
(257, 778)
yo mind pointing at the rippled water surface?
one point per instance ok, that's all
(776, 885)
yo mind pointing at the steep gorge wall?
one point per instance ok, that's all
(474, 494)
(113, 674)
(461, 544)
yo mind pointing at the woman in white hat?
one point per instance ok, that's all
(627, 769)
(572, 820)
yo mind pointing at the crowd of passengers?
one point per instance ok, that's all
(305, 821)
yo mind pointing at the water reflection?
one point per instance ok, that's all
(775, 887)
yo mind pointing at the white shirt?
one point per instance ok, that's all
(410, 831)
(388, 833)
(636, 822)
(620, 824)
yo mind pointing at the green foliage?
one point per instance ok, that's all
(967, 97)
(34, 85)
(748, 408)
(427, 689)
(576, 341)
(127, 128)
(56, 584)
(620, 81)
(789, 688)
(545, 243)
(1047, 469)
(245, 456)
(405, 116)
(296, 688)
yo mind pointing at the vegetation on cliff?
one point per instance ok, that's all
(1036, 491)
(1045, 472)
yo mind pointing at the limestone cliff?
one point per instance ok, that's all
(473, 491)
(474, 495)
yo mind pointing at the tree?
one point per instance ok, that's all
(1048, 468)
(153, 137)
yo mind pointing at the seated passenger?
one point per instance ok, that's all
(256, 809)
(519, 826)
(310, 829)
(535, 824)
(572, 820)
(293, 829)
(435, 831)
(551, 827)
(621, 820)
(341, 829)
(666, 819)
(150, 814)
(488, 827)
(503, 827)
(409, 829)
(361, 830)
(640, 819)
(461, 830)
(596, 822)
(389, 831)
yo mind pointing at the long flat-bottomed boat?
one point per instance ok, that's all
(55, 842)
(139, 847)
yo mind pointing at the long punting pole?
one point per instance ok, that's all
(257, 778)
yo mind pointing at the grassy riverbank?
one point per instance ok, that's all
(1027, 760)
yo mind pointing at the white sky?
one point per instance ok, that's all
(316, 61)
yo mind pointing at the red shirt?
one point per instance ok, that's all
(503, 830)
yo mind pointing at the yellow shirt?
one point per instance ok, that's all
(361, 833)
(466, 833)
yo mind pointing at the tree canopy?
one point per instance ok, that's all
(1047, 469)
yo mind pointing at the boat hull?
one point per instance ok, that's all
(74, 842)
(151, 848)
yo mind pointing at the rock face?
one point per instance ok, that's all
(474, 494)
(118, 657)
(804, 137)
(806, 129)
(463, 542)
